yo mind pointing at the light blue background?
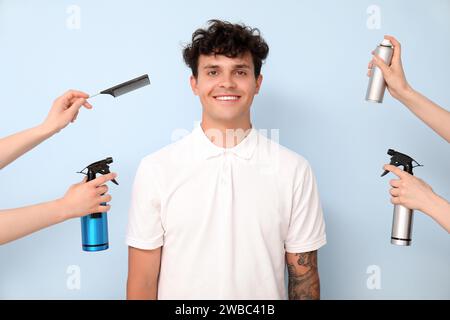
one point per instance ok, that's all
(313, 91)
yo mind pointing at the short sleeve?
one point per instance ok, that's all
(145, 230)
(306, 227)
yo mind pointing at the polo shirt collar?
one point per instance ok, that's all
(207, 149)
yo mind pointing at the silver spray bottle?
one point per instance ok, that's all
(377, 85)
(402, 221)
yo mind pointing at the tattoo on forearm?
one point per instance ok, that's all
(304, 281)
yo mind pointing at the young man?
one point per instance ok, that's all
(219, 213)
(80, 199)
(408, 190)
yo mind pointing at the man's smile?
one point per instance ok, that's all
(227, 97)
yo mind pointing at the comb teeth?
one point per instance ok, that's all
(128, 86)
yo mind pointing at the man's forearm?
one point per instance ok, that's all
(434, 116)
(17, 223)
(15, 145)
(139, 291)
(304, 283)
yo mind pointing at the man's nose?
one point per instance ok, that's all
(227, 81)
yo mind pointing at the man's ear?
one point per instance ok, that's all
(258, 83)
(193, 82)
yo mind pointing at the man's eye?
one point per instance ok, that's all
(212, 73)
(241, 73)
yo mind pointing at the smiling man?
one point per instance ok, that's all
(220, 213)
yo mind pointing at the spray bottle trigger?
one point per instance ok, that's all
(106, 171)
(393, 162)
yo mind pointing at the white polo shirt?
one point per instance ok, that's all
(224, 216)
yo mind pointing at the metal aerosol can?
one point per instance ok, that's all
(402, 221)
(377, 85)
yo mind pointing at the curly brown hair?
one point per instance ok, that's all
(225, 38)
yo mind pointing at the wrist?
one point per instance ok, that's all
(405, 93)
(63, 211)
(436, 204)
(46, 130)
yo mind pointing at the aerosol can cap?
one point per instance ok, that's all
(386, 43)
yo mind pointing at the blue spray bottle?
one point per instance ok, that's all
(94, 227)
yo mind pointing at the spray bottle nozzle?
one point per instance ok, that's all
(391, 152)
(401, 159)
(101, 167)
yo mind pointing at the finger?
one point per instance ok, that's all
(102, 189)
(103, 208)
(369, 73)
(87, 105)
(379, 62)
(70, 95)
(395, 192)
(395, 183)
(105, 198)
(397, 47)
(75, 107)
(398, 172)
(75, 117)
(370, 65)
(395, 200)
(103, 179)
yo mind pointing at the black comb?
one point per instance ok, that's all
(126, 87)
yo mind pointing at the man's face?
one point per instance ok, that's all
(226, 87)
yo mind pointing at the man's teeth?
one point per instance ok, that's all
(226, 98)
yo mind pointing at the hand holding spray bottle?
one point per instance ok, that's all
(401, 233)
(94, 227)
